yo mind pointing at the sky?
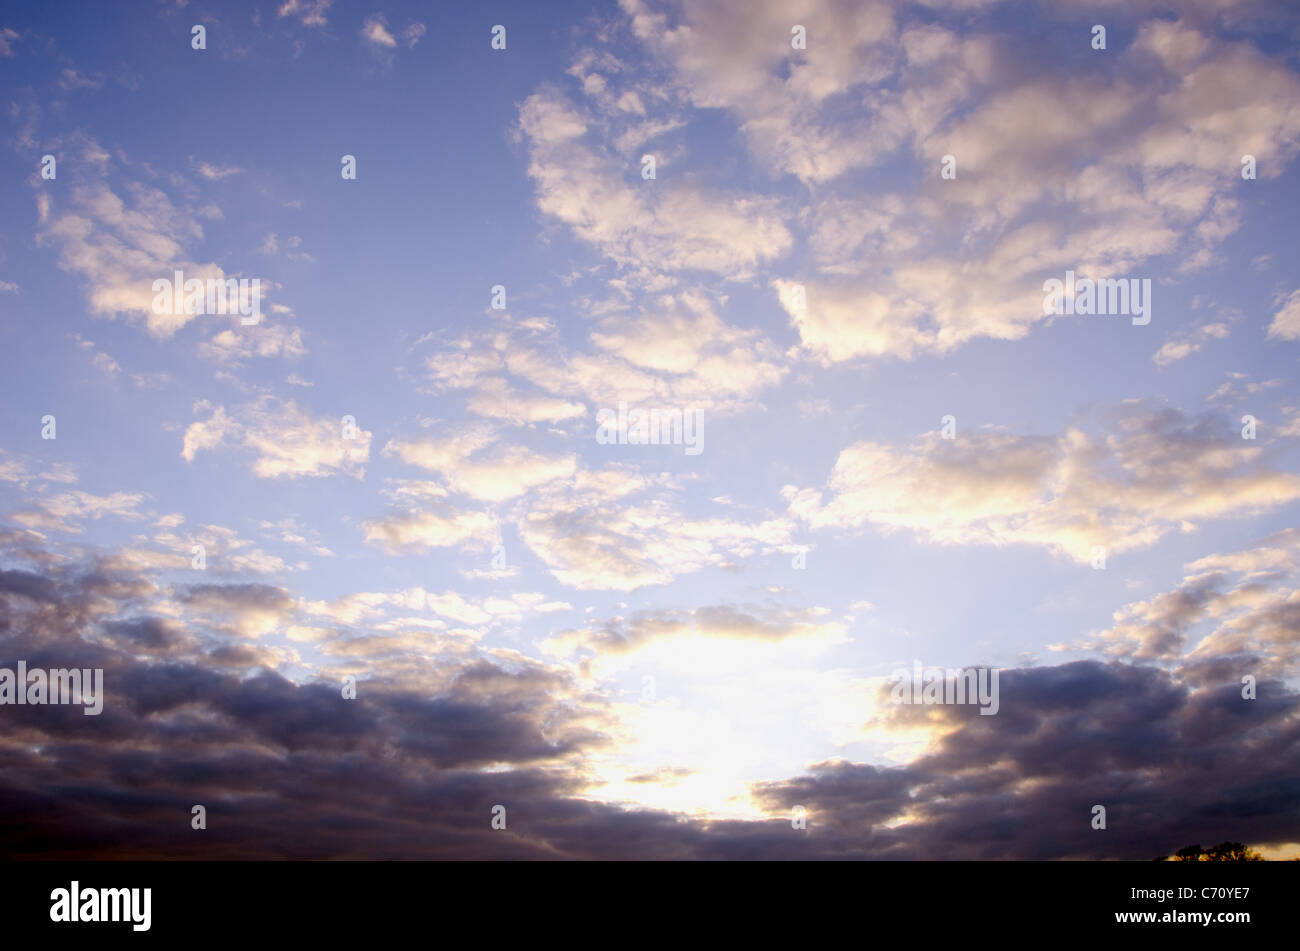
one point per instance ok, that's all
(364, 570)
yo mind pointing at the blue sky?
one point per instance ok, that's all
(776, 167)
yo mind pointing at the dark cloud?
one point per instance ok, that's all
(412, 768)
(1170, 764)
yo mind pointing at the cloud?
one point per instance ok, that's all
(1286, 322)
(1242, 607)
(412, 33)
(838, 324)
(611, 530)
(376, 31)
(723, 622)
(668, 224)
(496, 399)
(371, 607)
(671, 351)
(1157, 471)
(1232, 102)
(1133, 161)
(70, 80)
(1238, 387)
(264, 339)
(443, 728)
(503, 472)
(782, 99)
(285, 760)
(214, 173)
(429, 528)
(241, 610)
(68, 511)
(424, 732)
(306, 12)
(1186, 343)
(1171, 763)
(18, 471)
(285, 438)
(292, 246)
(225, 551)
(120, 246)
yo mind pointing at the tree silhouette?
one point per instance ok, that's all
(1223, 852)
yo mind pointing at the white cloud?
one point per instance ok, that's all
(1185, 344)
(375, 29)
(600, 531)
(215, 173)
(67, 511)
(1286, 322)
(264, 339)
(286, 439)
(426, 528)
(120, 246)
(1157, 471)
(306, 12)
(669, 222)
(502, 473)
